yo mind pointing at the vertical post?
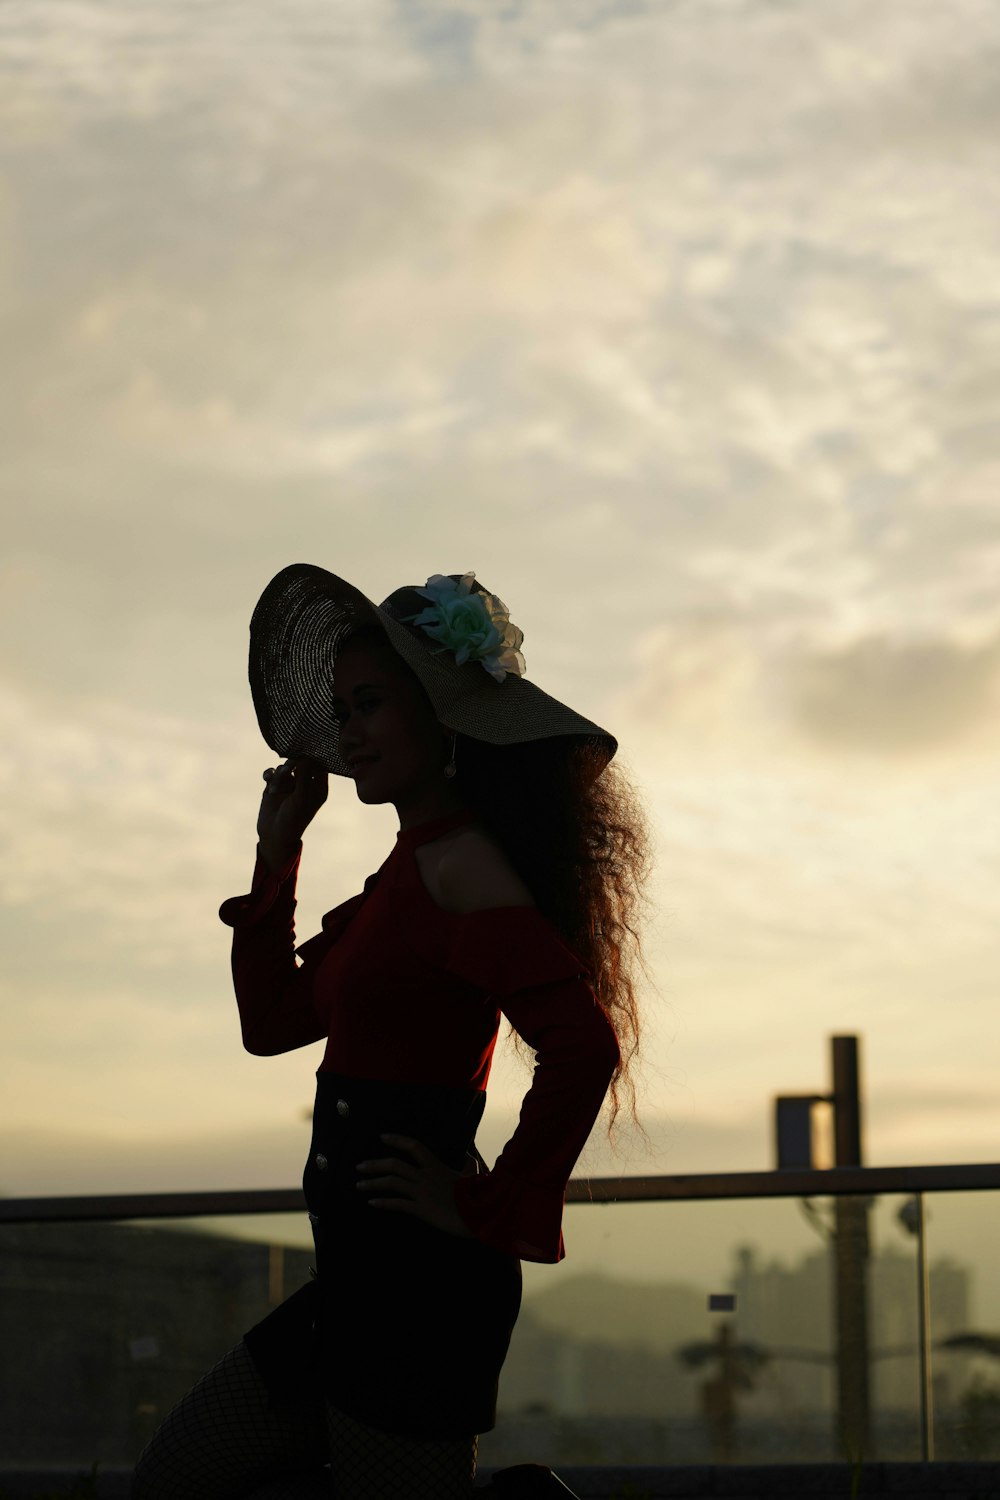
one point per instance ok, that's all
(924, 1314)
(718, 1398)
(851, 1259)
(846, 1101)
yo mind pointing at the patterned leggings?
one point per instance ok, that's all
(222, 1443)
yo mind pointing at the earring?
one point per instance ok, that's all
(450, 769)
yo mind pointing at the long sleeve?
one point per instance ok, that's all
(272, 992)
(518, 1206)
(542, 988)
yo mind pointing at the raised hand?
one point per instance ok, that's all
(294, 794)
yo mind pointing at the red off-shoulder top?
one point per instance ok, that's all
(406, 991)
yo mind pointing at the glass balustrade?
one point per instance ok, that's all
(962, 1233)
(750, 1330)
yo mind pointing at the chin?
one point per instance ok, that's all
(370, 794)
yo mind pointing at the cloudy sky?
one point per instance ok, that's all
(679, 323)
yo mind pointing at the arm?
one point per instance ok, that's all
(500, 940)
(272, 992)
(517, 1207)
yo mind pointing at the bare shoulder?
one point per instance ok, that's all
(474, 874)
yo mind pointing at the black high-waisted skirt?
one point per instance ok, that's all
(405, 1326)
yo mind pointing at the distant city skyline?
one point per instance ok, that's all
(138, 1315)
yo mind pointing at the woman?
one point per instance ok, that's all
(515, 873)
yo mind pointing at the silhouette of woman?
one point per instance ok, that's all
(508, 891)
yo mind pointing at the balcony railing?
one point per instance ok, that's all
(700, 1187)
(656, 1377)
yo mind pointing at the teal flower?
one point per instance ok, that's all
(475, 626)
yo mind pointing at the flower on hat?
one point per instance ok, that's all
(475, 625)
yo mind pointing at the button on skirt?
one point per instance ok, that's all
(405, 1326)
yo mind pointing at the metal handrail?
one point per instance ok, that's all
(704, 1186)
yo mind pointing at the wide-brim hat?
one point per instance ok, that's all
(306, 614)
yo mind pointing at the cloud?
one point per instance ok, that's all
(535, 279)
(577, 267)
(896, 697)
(941, 1112)
(675, 322)
(141, 824)
(770, 678)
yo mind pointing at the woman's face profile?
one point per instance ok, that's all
(386, 717)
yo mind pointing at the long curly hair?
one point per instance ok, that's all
(578, 837)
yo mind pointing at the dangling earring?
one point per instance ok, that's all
(450, 769)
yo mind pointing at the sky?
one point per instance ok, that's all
(678, 323)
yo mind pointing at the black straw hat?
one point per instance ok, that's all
(453, 633)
